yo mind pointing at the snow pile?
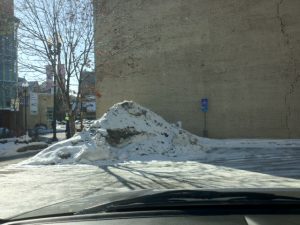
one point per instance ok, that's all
(126, 132)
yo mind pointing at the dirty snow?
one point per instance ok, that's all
(126, 132)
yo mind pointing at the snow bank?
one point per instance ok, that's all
(127, 131)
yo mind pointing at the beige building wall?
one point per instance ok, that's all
(244, 56)
(44, 101)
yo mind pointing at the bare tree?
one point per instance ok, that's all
(53, 33)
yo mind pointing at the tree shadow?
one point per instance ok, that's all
(129, 184)
(149, 180)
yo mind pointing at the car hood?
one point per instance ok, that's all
(99, 198)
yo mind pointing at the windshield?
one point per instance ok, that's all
(105, 97)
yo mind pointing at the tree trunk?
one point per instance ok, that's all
(72, 124)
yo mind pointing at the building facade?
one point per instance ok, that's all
(8, 62)
(44, 110)
(243, 56)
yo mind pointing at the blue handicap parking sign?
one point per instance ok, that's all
(204, 104)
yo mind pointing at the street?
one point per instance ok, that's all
(24, 188)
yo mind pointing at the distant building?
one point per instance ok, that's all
(49, 79)
(8, 63)
(41, 111)
(39, 105)
(48, 86)
(34, 86)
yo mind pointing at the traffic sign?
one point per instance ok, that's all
(204, 104)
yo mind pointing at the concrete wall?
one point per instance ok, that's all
(167, 55)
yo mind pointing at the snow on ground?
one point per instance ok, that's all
(14, 144)
(9, 149)
(132, 148)
(126, 132)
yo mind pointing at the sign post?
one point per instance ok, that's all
(204, 109)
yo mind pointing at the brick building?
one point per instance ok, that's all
(244, 56)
